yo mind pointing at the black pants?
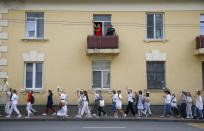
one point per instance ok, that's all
(130, 107)
(175, 111)
(101, 110)
(183, 110)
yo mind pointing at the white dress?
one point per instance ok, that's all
(63, 110)
(119, 102)
(140, 103)
(199, 102)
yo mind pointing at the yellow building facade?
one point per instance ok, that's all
(66, 61)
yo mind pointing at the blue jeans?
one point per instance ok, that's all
(200, 112)
(167, 106)
(114, 107)
(183, 110)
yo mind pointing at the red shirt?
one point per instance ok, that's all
(98, 31)
(29, 97)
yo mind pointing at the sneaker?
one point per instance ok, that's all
(162, 116)
(124, 115)
(78, 116)
(27, 117)
(54, 114)
(187, 117)
(66, 115)
(44, 114)
(19, 116)
(8, 116)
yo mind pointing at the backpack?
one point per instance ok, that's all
(32, 99)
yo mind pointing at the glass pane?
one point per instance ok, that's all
(150, 26)
(101, 65)
(34, 14)
(38, 75)
(96, 79)
(102, 17)
(201, 28)
(106, 26)
(30, 28)
(29, 75)
(106, 79)
(40, 28)
(201, 17)
(159, 26)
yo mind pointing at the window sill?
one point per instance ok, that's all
(102, 89)
(41, 91)
(157, 90)
(156, 40)
(34, 39)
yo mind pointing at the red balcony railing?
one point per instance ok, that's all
(200, 42)
(102, 42)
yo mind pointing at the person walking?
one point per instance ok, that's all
(28, 106)
(32, 102)
(183, 104)
(174, 105)
(136, 103)
(49, 104)
(101, 104)
(8, 94)
(80, 93)
(119, 104)
(167, 105)
(14, 102)
(130, 103)
(114, 100)
(198, 106)
(62, 105)
(140, 106)
(189, 105)
(147, 110)
(85, 108)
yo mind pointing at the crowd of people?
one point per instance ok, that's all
(138, 104)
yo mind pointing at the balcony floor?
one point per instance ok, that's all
(103, 51)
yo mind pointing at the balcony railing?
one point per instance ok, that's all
(102, 42)
(200, 42)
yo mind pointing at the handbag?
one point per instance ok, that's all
(101, 103)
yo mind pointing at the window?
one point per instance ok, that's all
(201, 24)
(155, 26)
(33, 75)
(104, 21)
(155, 75)
(101, 74)
(203, 73)
(34, 25)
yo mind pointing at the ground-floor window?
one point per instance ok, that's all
(33, 75)
(101, 74)
(155, 75)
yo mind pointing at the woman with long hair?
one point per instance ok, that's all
(49, 104)
(85, 108)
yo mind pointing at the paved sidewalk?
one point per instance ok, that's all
(109, 118)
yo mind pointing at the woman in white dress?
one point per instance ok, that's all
(198, 106)
(85, 108)
(63, 105)
(80, 105)
(140, 106)
(119, 104)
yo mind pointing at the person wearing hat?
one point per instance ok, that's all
(110, 30)
(199, 105)
(130, 103)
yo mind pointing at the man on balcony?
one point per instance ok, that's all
(110, 30)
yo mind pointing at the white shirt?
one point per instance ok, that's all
(8, 95)
(114, 98)
(147, 100)
(130, 97)
(168, 99)
(119, 98)
(14, 99)
(173, 99)
(199, 102)
(96, 96)
(63, 97)
(189, 99)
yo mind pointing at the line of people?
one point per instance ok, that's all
(138, 104)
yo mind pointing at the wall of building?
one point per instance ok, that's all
(66, 63)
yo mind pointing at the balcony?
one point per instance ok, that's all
(199, 45)
(102, 44)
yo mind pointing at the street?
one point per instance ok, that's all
(98, 125)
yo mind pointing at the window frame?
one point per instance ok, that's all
(103, 32)
(36, 24)
(34, 76)
(102, 80)
(201, 21)
(155, 26)
(164, 76)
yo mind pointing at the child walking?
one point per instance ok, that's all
(28, 107)
(198, 106)
(85, 108)
(114, 100)
(49, 104)
(119, 104)
(14, 102)
(130, 103)
(80, 94)
(100, 98)
(167, 104)
(147, 105)
(140, 106)
(189, 105)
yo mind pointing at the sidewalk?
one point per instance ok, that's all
(109, 118)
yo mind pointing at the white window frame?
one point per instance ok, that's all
(201, 21)
(35, 18)
(34, 76)
(103, 32)
(102, 84)
(154, 27)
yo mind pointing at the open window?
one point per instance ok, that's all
(104, 21)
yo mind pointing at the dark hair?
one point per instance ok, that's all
(31, 91)
(140, 92)
(198, 92)
(14, 91)
(86, 94)
(147, 94)
(50, 91)
(114, 92)
(168, 92)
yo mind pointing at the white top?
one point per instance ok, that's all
(63, 97)
(119, 98)
(189, 99)
(83, 98)
(14, 99)
(199, 102)
(96, 96)
(140, 102)
(8, 95)
(147, 100)
(173, 99)
(115, 97)
(168, 99)
(130, 97)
